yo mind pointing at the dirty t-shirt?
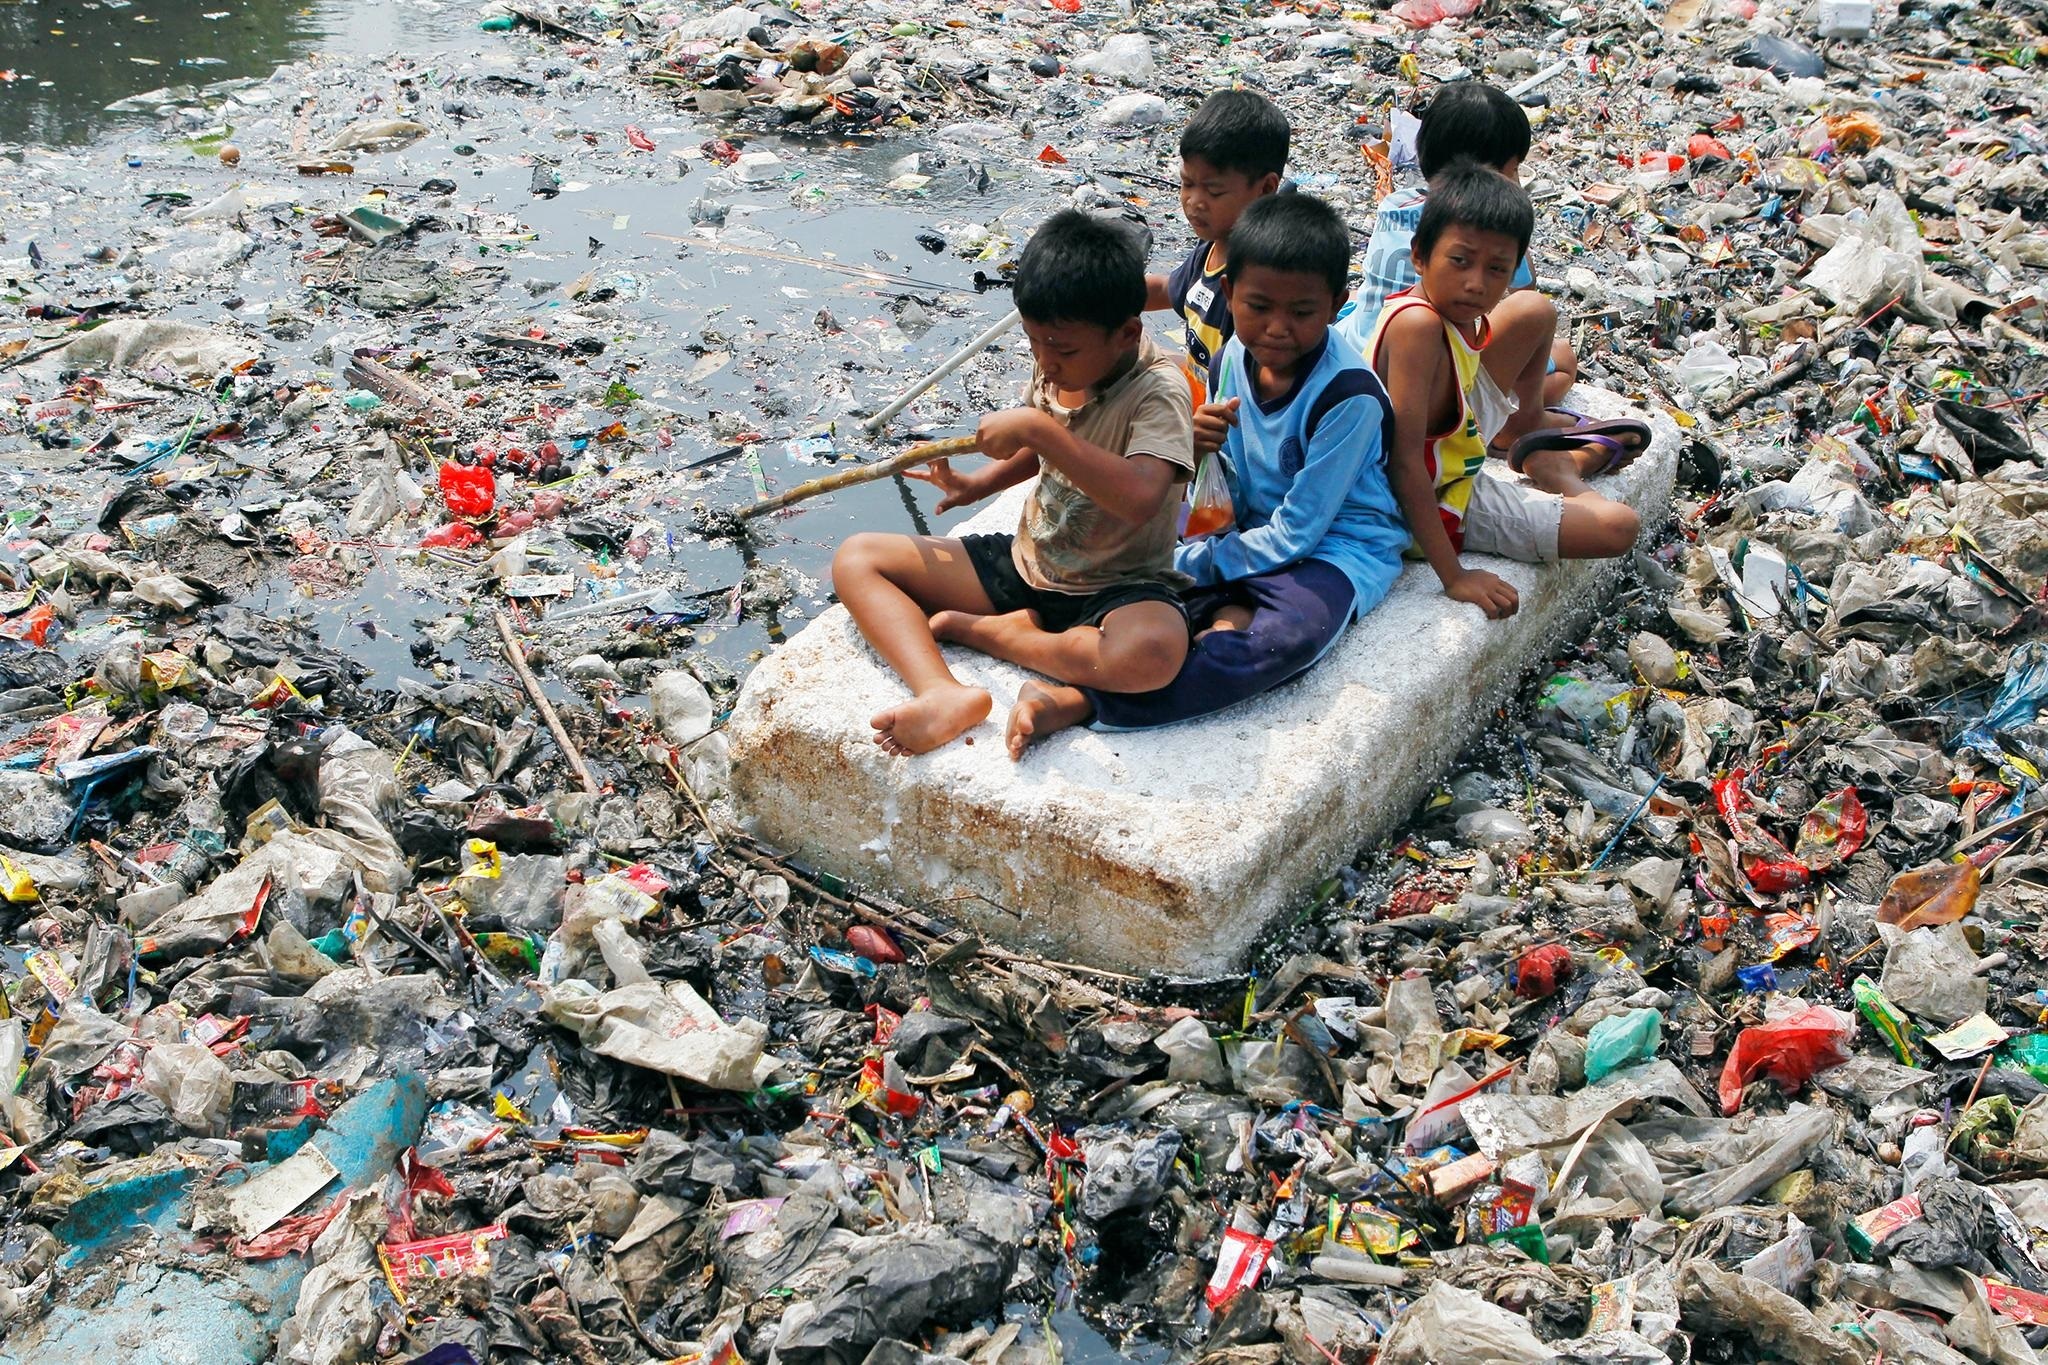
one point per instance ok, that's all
(1066, 541)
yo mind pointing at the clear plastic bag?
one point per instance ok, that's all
(1209, 508)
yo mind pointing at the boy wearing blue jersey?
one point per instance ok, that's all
(1232, 154)
(1304, 425)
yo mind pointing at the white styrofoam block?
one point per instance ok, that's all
(1165, 849)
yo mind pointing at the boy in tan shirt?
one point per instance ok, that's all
(1085, 591)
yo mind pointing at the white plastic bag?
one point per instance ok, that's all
(194, 1085)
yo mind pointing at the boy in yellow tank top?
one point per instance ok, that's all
(1464, 364)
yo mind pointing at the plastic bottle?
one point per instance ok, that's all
(1587, 705)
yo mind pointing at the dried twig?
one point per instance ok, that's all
(570, 754)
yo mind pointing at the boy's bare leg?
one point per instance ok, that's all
(1559, 382)
(1517, 357)
(1593, 527)
(1137, 648)
(890, 584)
(1041, 711)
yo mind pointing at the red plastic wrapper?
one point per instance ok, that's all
(872, 944)
(415, 1178)
(408, 1264)
(638, 138)
(32, 625)
(1542, 970)
(1414, 900)
(1706, 147)
(883, 1086)
(1832, 831)
(2021, 1305)
(1768, 864)
(291, 1237)
(887, 1021)
(1790, 1050)
(1239, 1264)
(469, 490)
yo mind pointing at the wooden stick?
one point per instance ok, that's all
(365, 373)
(540, 701)
(547, 25)
(858, 272)
(2023, 818)
(1982, 1072)
(703, 816)
(924, 453)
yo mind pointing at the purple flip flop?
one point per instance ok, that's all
(1611, 435)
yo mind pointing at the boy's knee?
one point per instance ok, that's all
(1529, 307)
(1566, 359)
(1620, 525)
(856, 555)
(1145, 661)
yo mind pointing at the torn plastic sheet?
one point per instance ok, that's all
(670, 1029)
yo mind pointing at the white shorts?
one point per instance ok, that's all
(1512, 518)
(1492, 406)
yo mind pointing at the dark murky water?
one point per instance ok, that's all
(68, 59)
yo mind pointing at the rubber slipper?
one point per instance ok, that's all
(1560, 438)
(1618, 429)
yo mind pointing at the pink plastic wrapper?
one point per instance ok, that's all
(1424, 13)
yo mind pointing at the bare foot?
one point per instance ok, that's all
(1229, 618)
(1566, 471)
(1041, 711)
(949, 626)
(985, 633)
(930, 719)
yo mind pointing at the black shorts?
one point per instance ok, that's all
(996, 567)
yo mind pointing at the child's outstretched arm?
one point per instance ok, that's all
(1346, 438)
(1129, 486)
(1411, 360)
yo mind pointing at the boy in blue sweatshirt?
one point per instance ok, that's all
(1304, 425)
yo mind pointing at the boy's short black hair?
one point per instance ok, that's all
(1469, 195)
(1081, 267)
(1238, 130)
(1296, 232)
(1471, 119)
